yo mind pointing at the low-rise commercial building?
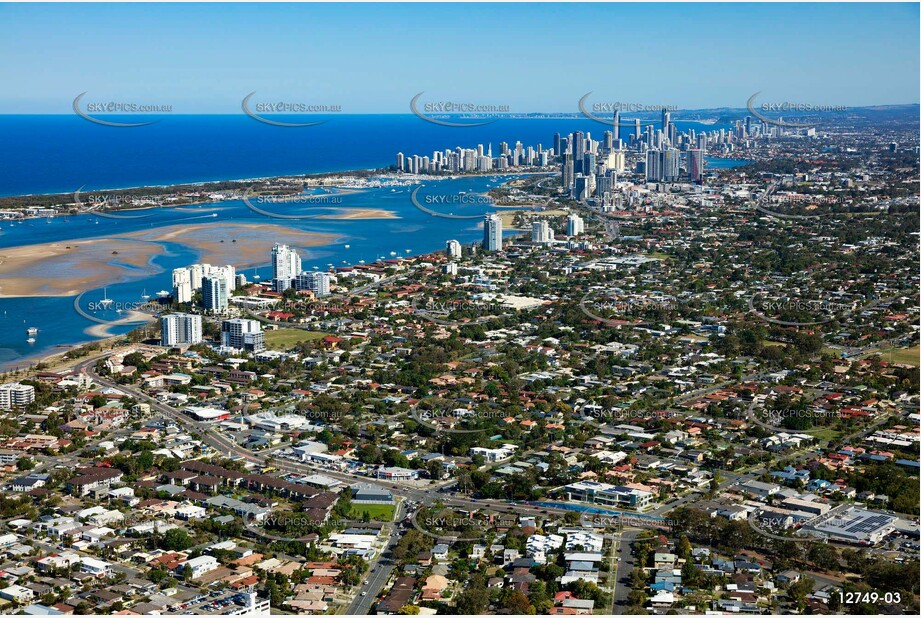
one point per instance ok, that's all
(609, 495)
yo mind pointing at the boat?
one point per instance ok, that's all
(145, 295)
(106, 301)
(348, 246)
(162, 293)
(30, 340)
(31, 331)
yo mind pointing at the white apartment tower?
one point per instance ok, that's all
(574, 225)
(180, 329)
(182, 285)
(243, 334)
(16, 395)
(215, 294)
(286, 265)
(492, 233)
(316, 282)
(541, 232)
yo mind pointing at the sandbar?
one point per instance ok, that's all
(360, 213)
(68, 268)
(135, 318)
(242, 244)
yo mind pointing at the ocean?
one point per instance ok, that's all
(59, 154)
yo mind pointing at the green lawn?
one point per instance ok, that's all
(377, 512)
(825, 434)
(908, 356)
(285, 338)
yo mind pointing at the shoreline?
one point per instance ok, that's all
(192, 183)
(69, 269)
(99, 334)
(56, 360)
(134, 317)
(384, 172)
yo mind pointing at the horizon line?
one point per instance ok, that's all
(468, 114)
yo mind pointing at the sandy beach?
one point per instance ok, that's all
(69, 268)
(360, 213)
(241, 244)
(134, 318)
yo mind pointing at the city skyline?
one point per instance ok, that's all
(429, 309)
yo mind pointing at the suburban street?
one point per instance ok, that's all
(379, 573)
(380, 570)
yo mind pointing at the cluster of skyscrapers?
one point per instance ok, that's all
(668, 136)
(663, 165)
(590, 167)
(477, 159)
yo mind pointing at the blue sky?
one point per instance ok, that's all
(372, 58)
